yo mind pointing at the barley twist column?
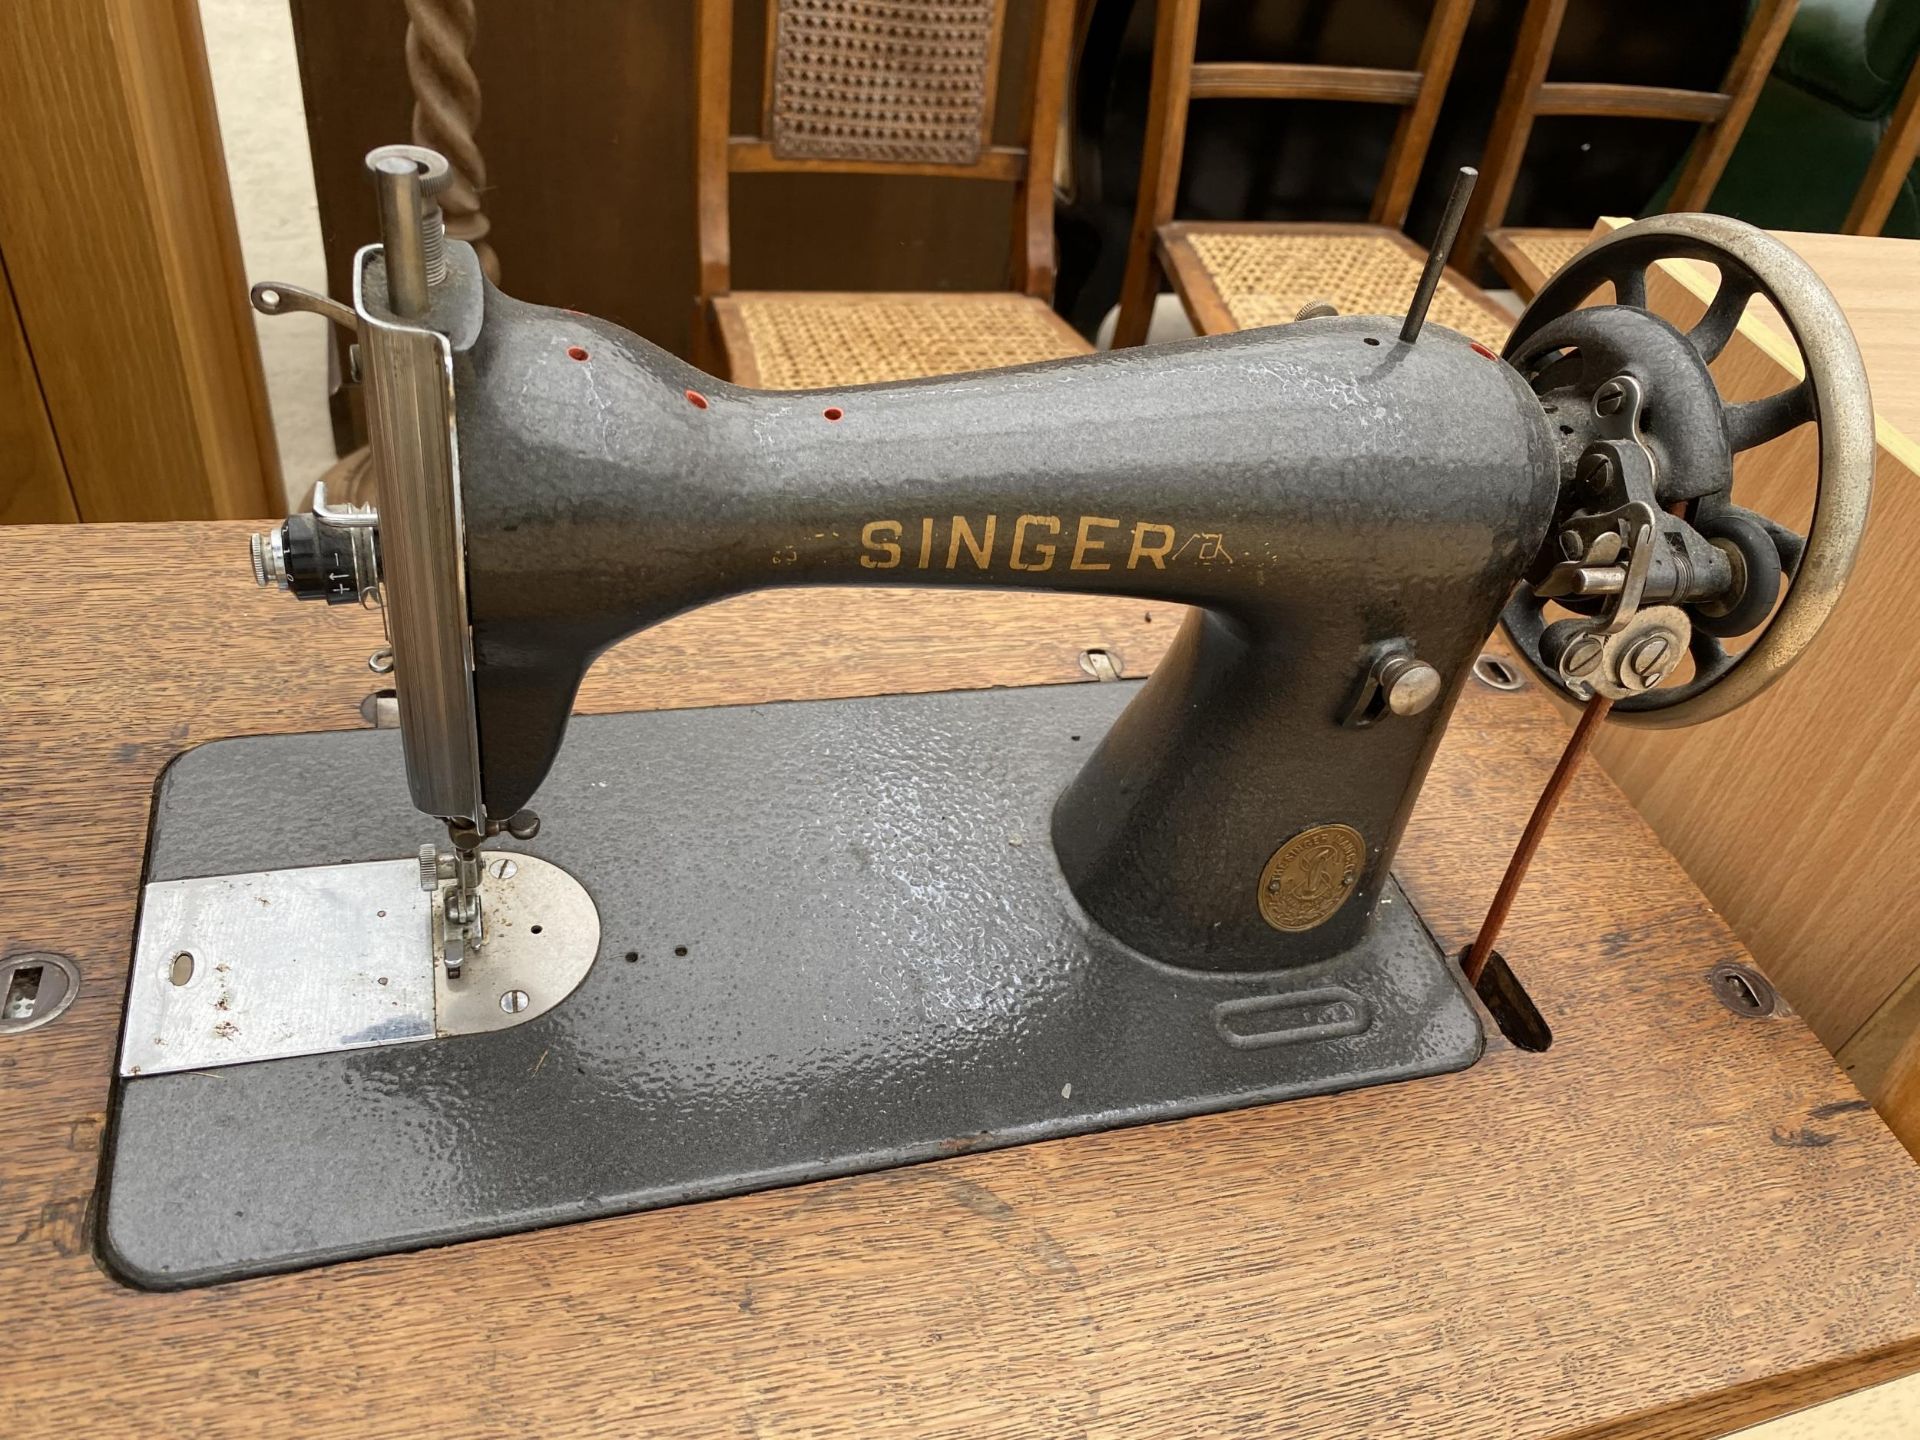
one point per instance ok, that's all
(446, 113)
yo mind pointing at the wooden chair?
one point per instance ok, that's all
(1526, 256)
(882, 87)
(1892, 162)
(1233, 276)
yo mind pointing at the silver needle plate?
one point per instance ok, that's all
(229, 969)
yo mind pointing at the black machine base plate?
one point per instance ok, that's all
(834, 938)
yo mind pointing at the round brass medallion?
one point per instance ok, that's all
(1311, 876)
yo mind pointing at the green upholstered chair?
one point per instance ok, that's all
(1839, 84)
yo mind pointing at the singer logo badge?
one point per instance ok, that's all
(1311, 876)
(1036, 544)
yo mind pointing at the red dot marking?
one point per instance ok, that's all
(833, 412)
(696, 399)
(576, 352)
(1480, 349)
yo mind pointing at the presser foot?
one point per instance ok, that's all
(453, 879)
(452, 884)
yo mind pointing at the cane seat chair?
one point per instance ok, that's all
(1526, 256)
(883, 87)
(1237, 275)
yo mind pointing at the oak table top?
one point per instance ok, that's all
(1872, 276)
(1675, 1222)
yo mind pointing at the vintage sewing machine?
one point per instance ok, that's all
(746, 947)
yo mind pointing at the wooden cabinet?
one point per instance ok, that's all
(1799, 814)
(33, 483)
(130, 383)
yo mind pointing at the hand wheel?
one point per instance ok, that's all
(1645, 436)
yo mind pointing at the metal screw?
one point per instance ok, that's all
(1411, 685)
(1101, 664)
(380, 662)
(1582, 657)
(514, 1001)
(1744, 991)
(1596, 471)
(503, 868)
(1317, 310)
(1640, 667)
(1571, 545)
(1608, 399)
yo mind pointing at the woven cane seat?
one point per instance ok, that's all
(1549, 251)
(1237, 277)
(801, 341)
(1528, 258)
(894, 81)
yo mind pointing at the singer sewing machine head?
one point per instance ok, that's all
(1348, 510)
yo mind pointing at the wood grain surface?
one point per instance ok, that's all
(1673, 1223)
(125, 263)
(1245, 80)
(750, 155)
(1514, 265)
(1646, 102)
(1801, 829)
(1877, 282)
(33, 482)
(1799, 814)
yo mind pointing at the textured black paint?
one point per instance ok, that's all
(1362, 490)
(855, 949)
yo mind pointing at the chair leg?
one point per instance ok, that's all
(709, 353)
(1138, 291)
